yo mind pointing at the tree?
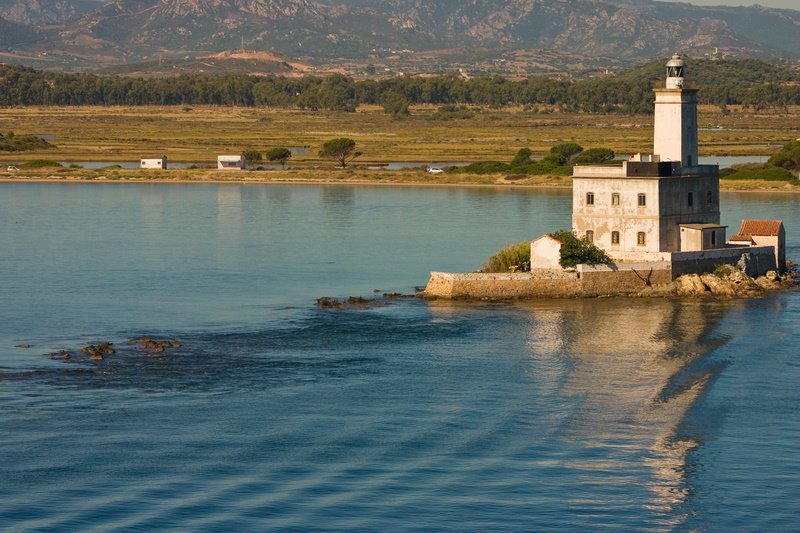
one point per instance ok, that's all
(566, 151)
(396, 104)
(279, 154)
(575, 251)
(523, 157)
(252, 156)
(341, 150)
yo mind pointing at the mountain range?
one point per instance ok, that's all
(412, 35)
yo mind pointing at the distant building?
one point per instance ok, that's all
(230, 162)
(156, 162)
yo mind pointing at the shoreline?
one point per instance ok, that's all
(396, 179)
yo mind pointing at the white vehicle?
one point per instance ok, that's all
(435, 170)
(12, 168)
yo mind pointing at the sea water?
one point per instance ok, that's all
(276, 414)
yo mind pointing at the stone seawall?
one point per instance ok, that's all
(479, 286)
(585, 282)
(602, 281)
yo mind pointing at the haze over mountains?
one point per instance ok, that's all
(506, 36)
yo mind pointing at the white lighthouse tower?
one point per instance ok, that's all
(675, 131)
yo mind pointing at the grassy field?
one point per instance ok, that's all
(198, 134)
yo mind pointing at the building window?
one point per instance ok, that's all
(589, 198)
(709, 197)
(640, 238)
(614, 198)
(691, 199)
(614, 237)
(589, 235)
(713, 238)
(642, 199)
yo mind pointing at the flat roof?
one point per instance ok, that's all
(702, 226)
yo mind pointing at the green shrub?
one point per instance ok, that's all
(756, 171)
(576, 251)
(485, 167)
(453, 112)
(41, 163)
(723, 271)
(787, 157)
(512, 258)
(19, 143)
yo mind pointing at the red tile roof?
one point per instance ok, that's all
(742, 238)
(760, 227)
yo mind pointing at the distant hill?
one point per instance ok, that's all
(223, 63)
(506, 36)
(44, 11)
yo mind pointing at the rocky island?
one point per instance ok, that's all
(655, 221)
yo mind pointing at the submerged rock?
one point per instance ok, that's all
(155, 345)
(351, 301)
(327, 301)
(60, 354)
(97, 352)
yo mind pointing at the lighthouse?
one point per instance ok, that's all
(675, 129)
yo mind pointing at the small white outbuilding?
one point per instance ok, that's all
(545, 253)
(159, 163)
(230, 162)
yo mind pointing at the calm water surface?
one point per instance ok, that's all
(277, 415)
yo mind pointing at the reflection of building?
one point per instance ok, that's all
(635, 371)
(154, 162)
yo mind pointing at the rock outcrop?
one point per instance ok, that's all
(730, 283)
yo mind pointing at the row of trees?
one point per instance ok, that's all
(341, 150)
(747, 82)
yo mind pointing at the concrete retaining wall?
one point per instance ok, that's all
(760, 261)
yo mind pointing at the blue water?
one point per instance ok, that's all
(275, 414)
